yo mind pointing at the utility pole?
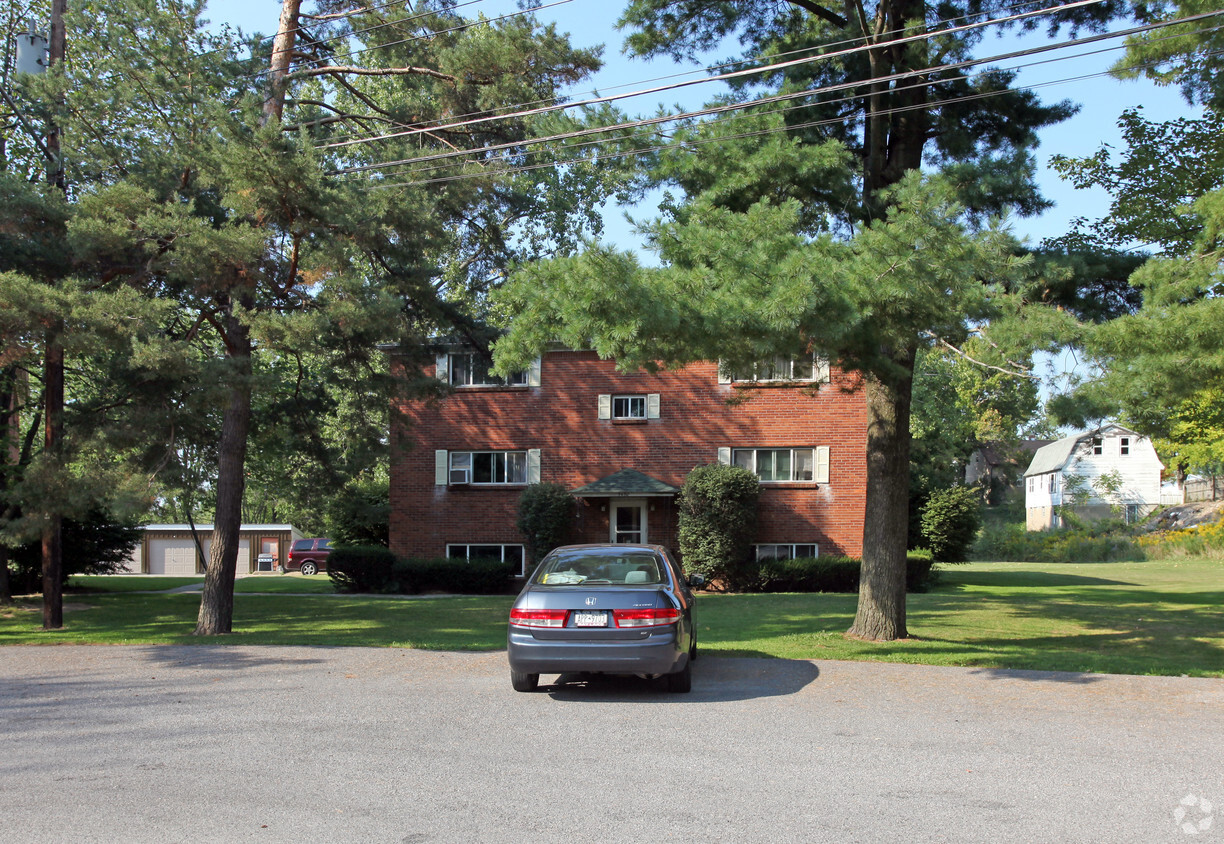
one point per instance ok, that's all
(53, 374)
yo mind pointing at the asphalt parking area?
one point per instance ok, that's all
(210, 743)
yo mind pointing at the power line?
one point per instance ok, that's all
(828, 121)
(715, 67)
(452, 156)
(896, 77)
(738, 74)
(698, 142)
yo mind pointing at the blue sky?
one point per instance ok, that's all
(592, 22)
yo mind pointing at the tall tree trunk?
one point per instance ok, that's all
(217, 604)
(881, 604)
(52, 532)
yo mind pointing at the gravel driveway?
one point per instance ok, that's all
(218, 744)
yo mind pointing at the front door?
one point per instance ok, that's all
(628, 521)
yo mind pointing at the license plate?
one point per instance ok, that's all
(590, 619)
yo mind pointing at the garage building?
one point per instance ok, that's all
(173, 550)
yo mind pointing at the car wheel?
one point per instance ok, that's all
(524, 682)
(309, 569)
(681, 681)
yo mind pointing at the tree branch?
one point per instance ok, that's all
(336, 70)
(1015, 373)
(821, 12)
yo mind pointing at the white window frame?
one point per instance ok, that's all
(606, 407)
(468, 546)
(756, 463)
(1124, 446)
(463, 467)
(1098, 445)
(461, 365)
(629, 403)
(768, 371)
(759, 554)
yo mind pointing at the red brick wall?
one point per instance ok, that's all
(697, 416)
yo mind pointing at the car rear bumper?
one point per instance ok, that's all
(658, 653)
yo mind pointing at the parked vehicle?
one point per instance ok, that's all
(613, 609)
(309, 556)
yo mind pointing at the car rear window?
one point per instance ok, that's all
(575, 568)
(303, 545)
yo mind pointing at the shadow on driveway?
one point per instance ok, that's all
(719, 679)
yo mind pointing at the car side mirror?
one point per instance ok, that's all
(696, 580)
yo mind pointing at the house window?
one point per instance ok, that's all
(471, 369)
(488, 467)
(498, 553)
(628, 407)
(780, 369)
(776, 464)
(1053, 483)
(1032, 485)
(1124, 446)
(786, 552)
(1096, 446)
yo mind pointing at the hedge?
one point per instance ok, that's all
(835, 574)
(376, 570)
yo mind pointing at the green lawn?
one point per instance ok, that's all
(1163, 617)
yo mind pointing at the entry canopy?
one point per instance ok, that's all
(627, 483)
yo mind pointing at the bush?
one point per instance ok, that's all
(718, 515)
(835, 574)
(950, 521)
(1202, 541)
(361, 514)
(545, 518)
(461, 577)
(1098, 542)
(99, 543)
(361, 568)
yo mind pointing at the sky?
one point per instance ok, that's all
(592, 22)
(1101, 99)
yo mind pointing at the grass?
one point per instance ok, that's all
(1130, 618)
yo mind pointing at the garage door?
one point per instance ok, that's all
(173, 557)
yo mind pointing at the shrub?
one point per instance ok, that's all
(1201, 541)
(835, 574)
(718, 515)
(950, 521)
(461, 577)
(98, 543)
(1097, 542)
(361, 514)
(360, 568)
(545, 518)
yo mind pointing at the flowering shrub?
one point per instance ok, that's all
(1201, 541)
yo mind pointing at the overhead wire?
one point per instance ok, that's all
(738, 74)
(698, 142)
(429, 166)
(739, 106)
(715, 67)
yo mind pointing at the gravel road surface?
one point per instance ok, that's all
(263, 744)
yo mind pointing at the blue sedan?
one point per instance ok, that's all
(612, 609)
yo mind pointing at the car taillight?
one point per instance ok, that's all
(538, 618)
(645, 618)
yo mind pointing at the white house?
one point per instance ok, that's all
(1083, 460)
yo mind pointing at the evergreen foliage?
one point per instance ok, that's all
(545, 518)
(717, 523)
(360, 514)
(950, 522)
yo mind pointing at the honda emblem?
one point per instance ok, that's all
(590, 602)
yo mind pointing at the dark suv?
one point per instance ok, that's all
(309, 556)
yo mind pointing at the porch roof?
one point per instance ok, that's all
(627, 483)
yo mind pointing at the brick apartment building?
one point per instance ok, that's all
(623, 443)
